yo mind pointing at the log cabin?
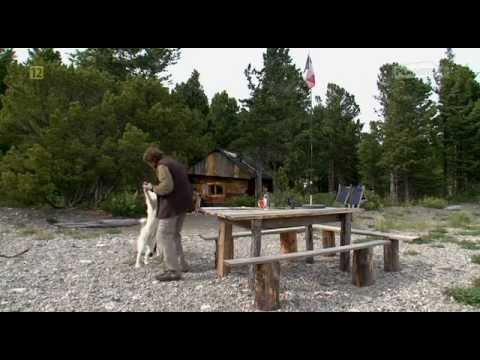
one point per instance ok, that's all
(223, 175)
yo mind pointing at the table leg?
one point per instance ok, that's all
(224, 247)
(255, 249)
(345, 239)
(288, 243)
(309, 242)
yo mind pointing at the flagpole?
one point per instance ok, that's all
(311, 149)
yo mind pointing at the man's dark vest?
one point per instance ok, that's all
(179, 201)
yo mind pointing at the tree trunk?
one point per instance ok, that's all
(407, 189)
(331, 176)
(393, 188)
(258, 179)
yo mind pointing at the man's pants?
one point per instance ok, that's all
(169, 239)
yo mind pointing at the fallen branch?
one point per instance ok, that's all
(101, 223)
(13, 256)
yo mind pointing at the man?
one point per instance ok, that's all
(174, 200)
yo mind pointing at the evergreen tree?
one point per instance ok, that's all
(192, 93)
(277, 110)
(370, 155)
(458, 92)
(124, 62)
(223, 120)
(407, 150)
(342, 129)
(43, 55)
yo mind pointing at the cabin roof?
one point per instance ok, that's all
(242, 161)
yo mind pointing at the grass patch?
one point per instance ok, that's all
(476, 260)
(113, 231)
(469, 296)
(28, 232)
(411, 253)
(433, 203)
(460, 219)
(423, 240)
(438, 234)
(438, 246)
(468, 245)
(470, 233)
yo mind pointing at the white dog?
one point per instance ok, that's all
(147, 239)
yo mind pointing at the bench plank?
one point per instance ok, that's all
(304, 254)
(369, 232)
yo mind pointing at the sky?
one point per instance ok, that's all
(355, 69)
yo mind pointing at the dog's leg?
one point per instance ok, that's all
(147, 254)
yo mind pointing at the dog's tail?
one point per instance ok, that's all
(142, 221)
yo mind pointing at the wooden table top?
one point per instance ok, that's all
(235, 214)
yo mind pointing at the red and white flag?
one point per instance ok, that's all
(309, 73)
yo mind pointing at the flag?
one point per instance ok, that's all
(309, 73)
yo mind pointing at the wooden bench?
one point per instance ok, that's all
(288, 239)
(267, 280)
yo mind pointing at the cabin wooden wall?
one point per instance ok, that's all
(216, 164)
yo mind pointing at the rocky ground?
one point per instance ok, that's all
(91, 269)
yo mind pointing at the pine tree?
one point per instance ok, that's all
(342, 129)
(458, 92)
(223, 120)
(124, 62)
(43, 55)
(193, 94)
(277, 110)
(370, 155)
(407, 150)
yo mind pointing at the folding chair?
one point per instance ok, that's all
(343, 194)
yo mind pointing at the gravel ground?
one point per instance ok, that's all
(91, 270)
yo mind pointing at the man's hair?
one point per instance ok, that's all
(152, 155)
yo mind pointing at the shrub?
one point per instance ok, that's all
(327, 199)
(476, 260)
(433, 202)
(459, 219)
(374, 202)
(243, 200)
(125, 204)
(469, 296)
(279, 199)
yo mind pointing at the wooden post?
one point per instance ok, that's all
(267, 286)
(224, 247)
(345, 239)
(255, 249)
(362, 267)
(288, 243)
(309, 242)
(328, 240)
(391, 256)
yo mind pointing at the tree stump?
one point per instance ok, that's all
(328, 240)
(391, 256)
(309, 242)
(267, 286)
(362, 267)
(288, 243)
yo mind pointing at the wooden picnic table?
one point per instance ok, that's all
(256, 220)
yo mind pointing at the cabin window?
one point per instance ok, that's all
(215, 189)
